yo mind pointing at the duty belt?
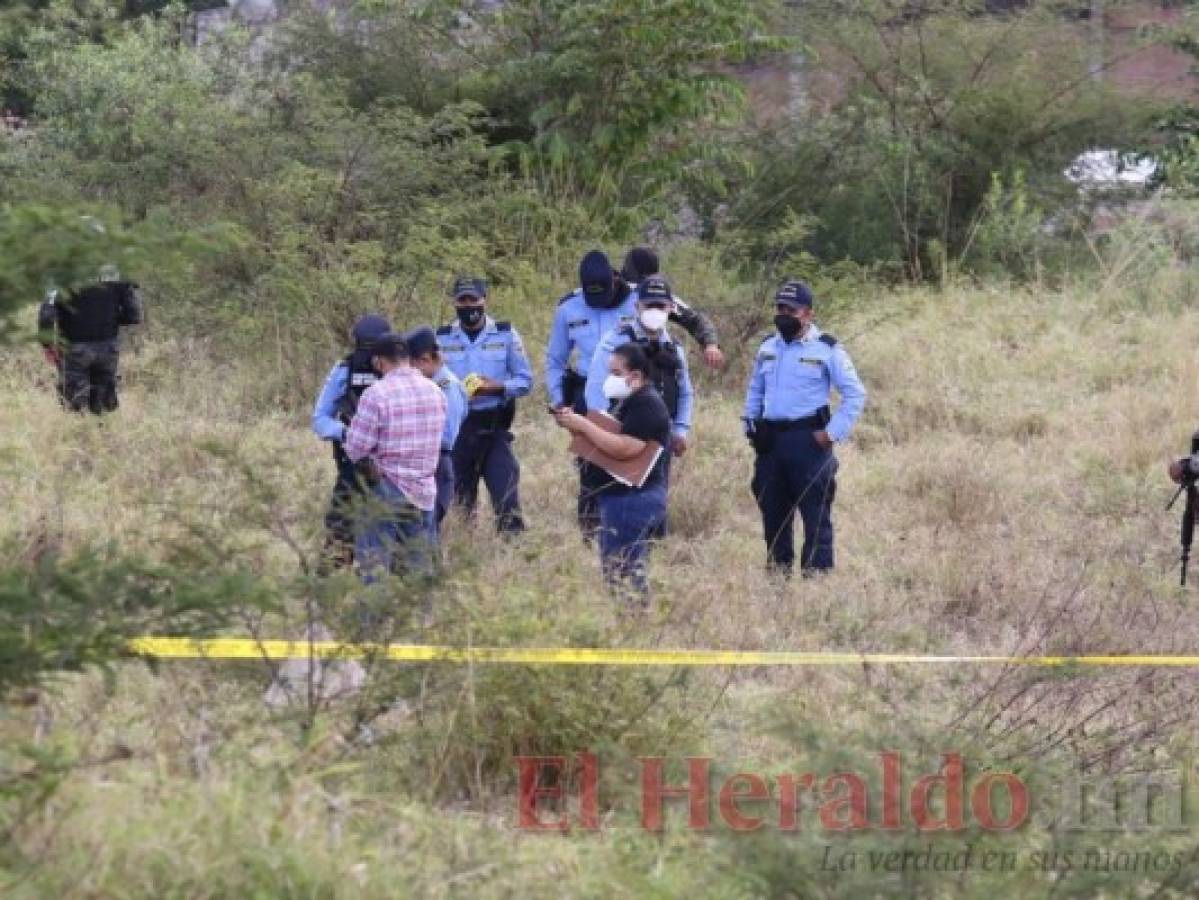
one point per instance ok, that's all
(499, 417)
(818, 419)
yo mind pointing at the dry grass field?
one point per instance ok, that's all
(1003, 494)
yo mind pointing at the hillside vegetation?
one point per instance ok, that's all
(1029, 375)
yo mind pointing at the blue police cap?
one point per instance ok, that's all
(655, 289)
(596, 279)
(795, 294)
(368, 328)
(469, 287)
(420, 341)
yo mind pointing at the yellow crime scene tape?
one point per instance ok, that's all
(249, 648)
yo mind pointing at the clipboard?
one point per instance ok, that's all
(629, 472)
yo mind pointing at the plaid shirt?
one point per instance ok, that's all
(398, 424)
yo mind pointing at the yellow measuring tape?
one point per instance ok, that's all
(248, 648)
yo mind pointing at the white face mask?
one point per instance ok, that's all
(616, 387)
(654, 319)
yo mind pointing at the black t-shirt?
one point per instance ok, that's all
(642, 415)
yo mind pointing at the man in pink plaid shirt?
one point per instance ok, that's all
(398, 427)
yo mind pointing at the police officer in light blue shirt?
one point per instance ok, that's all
(582, 319)
(788, 421)
(489, 358)
(426, 357)
(654, 303)
(334, 408)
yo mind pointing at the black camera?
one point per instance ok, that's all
(1188, 480)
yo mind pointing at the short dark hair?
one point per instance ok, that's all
(391, 347)
(635, 359)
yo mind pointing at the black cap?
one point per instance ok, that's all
(639, 263)
(595, 278)
(368, 328)
(469, 287)
(655, 289)
(390, 346)
(420, 341)
(794, 293)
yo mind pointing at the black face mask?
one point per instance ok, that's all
(788, 326)
(471, 317)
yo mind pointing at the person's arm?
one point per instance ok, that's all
(755, 393)
(845, 379)
(455, 412)
(324, 415)
(47, 330)
(556, 356)
(701, 328)
(682, 420)
(520, 374)
(618, 446)
(131, 311)
(363, 434)
(593, 392)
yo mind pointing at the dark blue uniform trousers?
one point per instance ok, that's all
(445, 487)
(796, 473)
(486, 453)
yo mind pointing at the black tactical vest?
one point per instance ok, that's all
(668, 366)
(359, 376)
(92, 314)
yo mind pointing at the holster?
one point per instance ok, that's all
(762, 437)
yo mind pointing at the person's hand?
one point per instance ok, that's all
(713, 357)
(475, 383)
(678, 444)
(1175, 470)
(823, 440)
(569, 419)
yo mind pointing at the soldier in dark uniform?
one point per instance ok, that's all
(335, 407)
(81, 332)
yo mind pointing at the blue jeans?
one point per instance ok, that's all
(393, 535)
(627, 521)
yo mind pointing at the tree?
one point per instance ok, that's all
(940, 97)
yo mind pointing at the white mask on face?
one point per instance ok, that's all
(616, 387)
(654, 319)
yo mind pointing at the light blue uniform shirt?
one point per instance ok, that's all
(495, 353)
(324, 415)
(599, 371)
(792, 381)
(580, 328)
(456, 404)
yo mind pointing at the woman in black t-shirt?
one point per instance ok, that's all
(628, 513)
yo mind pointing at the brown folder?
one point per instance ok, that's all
(631, 472)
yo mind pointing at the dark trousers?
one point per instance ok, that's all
(445, 487)
(486, 453)
(88, 376)
(796, 473)
(588, 503)
(339, 518)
